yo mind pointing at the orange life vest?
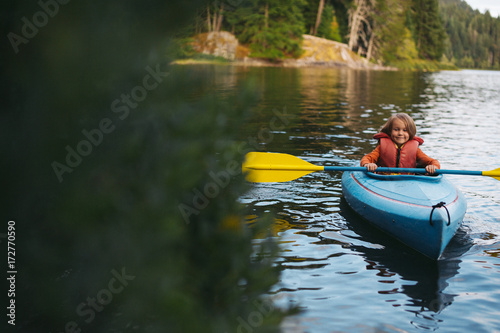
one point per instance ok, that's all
(403, 157)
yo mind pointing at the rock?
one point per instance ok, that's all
(222, 44)
(324, 52)
(317, 52)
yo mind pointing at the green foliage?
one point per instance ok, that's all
(392, 38)
(329, 28)
(154, 200)
(466, 62)
(210, 58)
(335, 33)
(474, 38)
(235, 18)
(397, 31)
(274, 29)
(417, 64)
(310, 12)
(341, 17)
(405, 50)
(183, 48)
(429, 32)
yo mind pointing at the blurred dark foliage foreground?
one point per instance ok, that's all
(122, 176)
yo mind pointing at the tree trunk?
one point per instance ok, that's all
(219, 19)
(370, 46)
(209, 25)
(360, 25)
(318, 17)
(266, 16)
(354, 22)
(214, 20)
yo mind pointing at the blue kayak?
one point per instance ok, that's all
(423, 212)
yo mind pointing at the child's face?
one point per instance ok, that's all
(399, 132)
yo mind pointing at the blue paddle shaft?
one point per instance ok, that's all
(405, 170)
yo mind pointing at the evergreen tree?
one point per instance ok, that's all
(473, 37)
(329, 27)
(335, 27)
(310, 13)
(429, 32)
(235, 18)
(393, 39)
(341, 17)
(274, 29)
(378, 29)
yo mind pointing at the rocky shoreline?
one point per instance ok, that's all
(318, 52)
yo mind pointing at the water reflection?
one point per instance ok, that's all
(307, 252)
(330, 110)
(424, 281)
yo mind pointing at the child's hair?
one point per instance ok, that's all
(406, 119)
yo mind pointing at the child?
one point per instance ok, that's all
(398, 147)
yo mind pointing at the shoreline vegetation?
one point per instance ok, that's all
(222, 48)
(413, 35)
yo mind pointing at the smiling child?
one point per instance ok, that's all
(399, 147)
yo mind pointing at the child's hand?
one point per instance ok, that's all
(431, 169)
(371, 167)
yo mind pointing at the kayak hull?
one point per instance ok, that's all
(422, 212)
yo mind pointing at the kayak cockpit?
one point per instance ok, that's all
(401, 177)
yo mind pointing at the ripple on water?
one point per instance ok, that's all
(349, 277)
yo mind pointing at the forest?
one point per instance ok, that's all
(400, 33)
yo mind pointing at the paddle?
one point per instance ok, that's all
(276, 167)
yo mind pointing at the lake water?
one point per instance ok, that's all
(345, 275)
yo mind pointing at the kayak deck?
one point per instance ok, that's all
(423, 212)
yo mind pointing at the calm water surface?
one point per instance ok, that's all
(345, 275)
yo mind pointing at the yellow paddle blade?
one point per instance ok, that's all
(275, 167)
(493, 173)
